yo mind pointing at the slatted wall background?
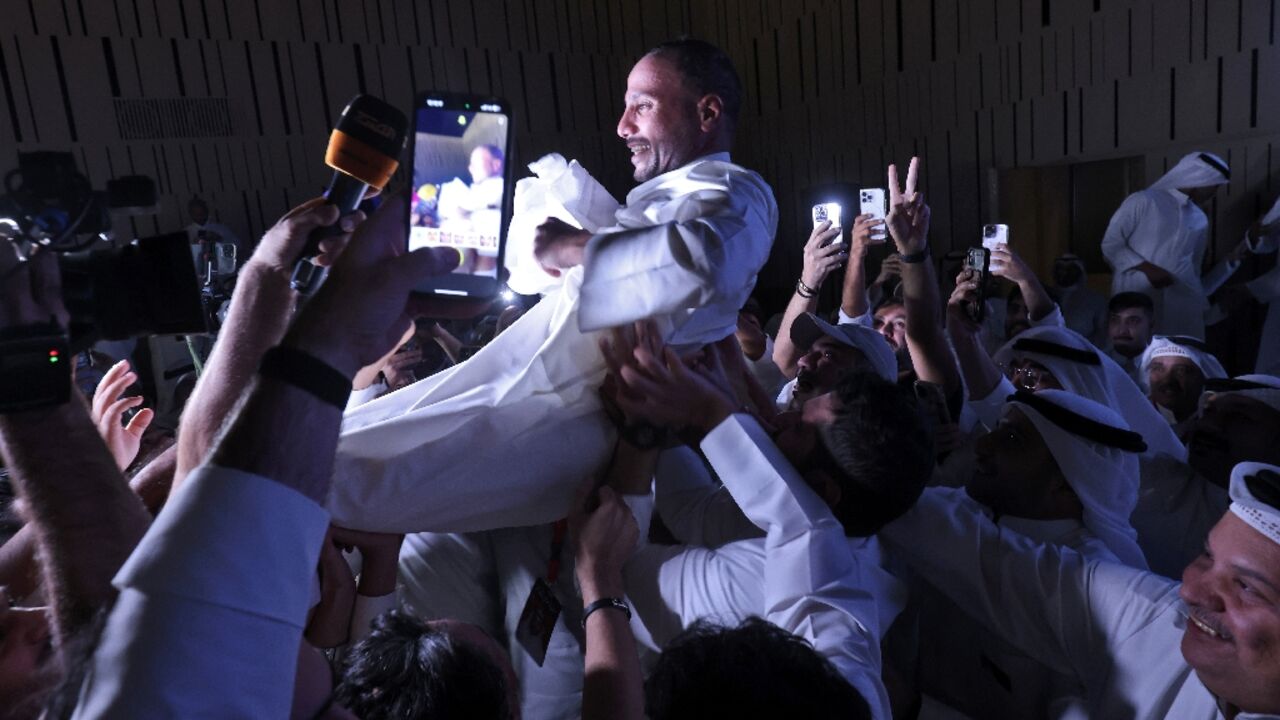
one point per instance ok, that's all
(233, 100)
(840, 88)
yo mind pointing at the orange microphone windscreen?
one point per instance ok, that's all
(351, 156)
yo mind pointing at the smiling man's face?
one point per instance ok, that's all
(660, 122)
(1232, 638)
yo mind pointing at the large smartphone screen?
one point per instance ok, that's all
(461, 187)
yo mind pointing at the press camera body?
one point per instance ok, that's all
(146, 287)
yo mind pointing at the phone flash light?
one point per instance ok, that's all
(508, 296)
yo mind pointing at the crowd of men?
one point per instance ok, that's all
(633, 501)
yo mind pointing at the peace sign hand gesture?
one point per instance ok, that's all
(908, 218)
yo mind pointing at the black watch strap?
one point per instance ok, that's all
(305, 371)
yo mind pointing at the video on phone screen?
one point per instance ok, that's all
(458, 171)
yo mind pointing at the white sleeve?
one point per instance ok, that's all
(865, 318)
(364, 395)
(225, 568)
(712, 250)
(814, 587)
(1115, 243)
(989, 408)
(1047, 600)
(696, 509)
(672, 586)
(1052, 319)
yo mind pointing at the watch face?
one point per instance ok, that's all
(642, 435)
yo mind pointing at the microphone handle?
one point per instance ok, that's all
(345, 192)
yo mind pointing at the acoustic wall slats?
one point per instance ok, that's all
(998, 83)
(834, 89)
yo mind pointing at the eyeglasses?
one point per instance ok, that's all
(1028, 378)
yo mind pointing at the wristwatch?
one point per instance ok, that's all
(643, 435)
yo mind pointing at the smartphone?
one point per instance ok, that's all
(462, 188)
(872, 202)
(978, 259)
(823, 212)
(993, 236)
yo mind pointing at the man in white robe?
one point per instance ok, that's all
(1059, 469)
(1156, 241)
(1142, 646)
(503, 438)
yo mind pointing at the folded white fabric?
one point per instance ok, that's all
(1197, 169)
(1255, 497)
(560, 189)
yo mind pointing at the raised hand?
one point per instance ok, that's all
(656, 386)
(821, 255)
(281, 244)
(1009, 265)
(108, 409)
(960, 320)
(360, 313)
(865, 228)
(559, 246)
(908, 219)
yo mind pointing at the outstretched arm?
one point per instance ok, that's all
(853, 298)
(261, 309)
(908, 223)
(821, 256)
(84, 519)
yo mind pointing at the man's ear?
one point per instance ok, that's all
(710, 112)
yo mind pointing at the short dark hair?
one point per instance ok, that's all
(707, 69)
(882, 443)
(407, 669)
(754, 670)
(889, 302)
(1127, 300)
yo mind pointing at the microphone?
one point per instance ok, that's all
(364, 152)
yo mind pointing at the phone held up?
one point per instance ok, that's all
(872, 202)
(462, 188)
(995, 237)
(823, 212)
(978, 259)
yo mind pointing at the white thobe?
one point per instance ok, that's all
(1115, 628)
(978, 673)
(212, 605)
(1176, 510)
(1164, 228)
(504, 438)
(805, 576)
